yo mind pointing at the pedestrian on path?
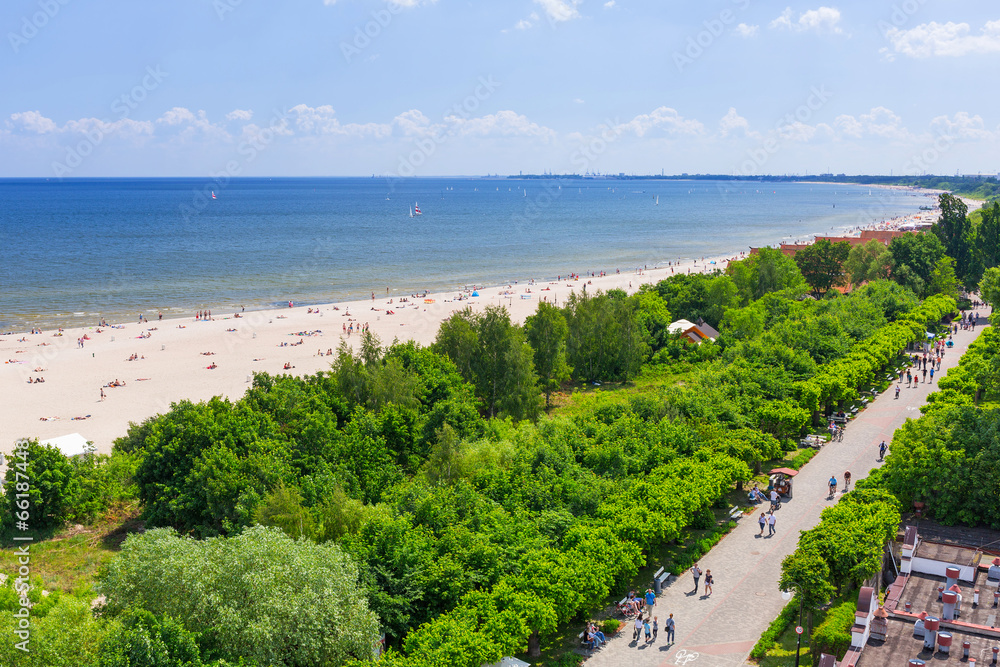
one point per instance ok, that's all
(897, 392)
(708, 582)
(638, 628)
(696, 571)
(925, 373)
(881, 450)
(771, 520)
(648, 630)
(763, 522)
(656, 627)
(650, 598)
(669, 627)
(932, 374)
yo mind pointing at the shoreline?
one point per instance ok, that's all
(160, 362)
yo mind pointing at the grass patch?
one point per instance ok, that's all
(580, 399)
(69, 559)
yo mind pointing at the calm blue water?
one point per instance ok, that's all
(78, 249)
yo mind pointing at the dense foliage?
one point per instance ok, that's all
(476, 525)
(948, 458)
(258, 595)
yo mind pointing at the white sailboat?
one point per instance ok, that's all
(657, 200)
(411, 211)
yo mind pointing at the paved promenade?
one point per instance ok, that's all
(721, 629)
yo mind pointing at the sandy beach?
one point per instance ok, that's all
(159, 362)
(174, 357)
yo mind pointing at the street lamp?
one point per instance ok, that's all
(786, 596)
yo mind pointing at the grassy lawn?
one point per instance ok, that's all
(68, 560)
(580, 399)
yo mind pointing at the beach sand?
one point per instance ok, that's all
(172, 365)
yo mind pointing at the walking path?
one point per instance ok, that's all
(721, 629)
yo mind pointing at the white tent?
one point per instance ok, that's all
(73, 444)
(510, 662)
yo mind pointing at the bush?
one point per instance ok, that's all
(610, 626)
(802, 458)
(833, 635)
(703, 520)
(47, 477)
(770, 636)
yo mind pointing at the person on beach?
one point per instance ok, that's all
(102, 394)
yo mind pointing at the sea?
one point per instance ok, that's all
(77, 250)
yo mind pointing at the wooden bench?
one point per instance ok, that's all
(735, 512)
(838, 420)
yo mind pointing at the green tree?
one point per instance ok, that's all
(868, 262)
(259, 596)
(806, 573)
(494, 356)
(547, 332)
(989, 287)
(769, 270)
(955, 232)
(143, 640)
(987, 237)
(822, 264)
(914, 257)
(282, 508)
(46, 476)
(943, 279)
(606, 341)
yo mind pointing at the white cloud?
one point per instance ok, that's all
(663, 118)
(523, 24)
(733, 124)
(824, 19)
(322, 120)
(577, 100)
(500, 124)
(609, 4)
(560, 10)
(945, 39)
(963, 126)
(33, 122)
(880, 122)
(744, 30)
(239, 114)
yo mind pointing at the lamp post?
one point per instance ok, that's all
(787, 595)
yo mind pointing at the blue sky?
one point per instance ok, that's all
(432, 87)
